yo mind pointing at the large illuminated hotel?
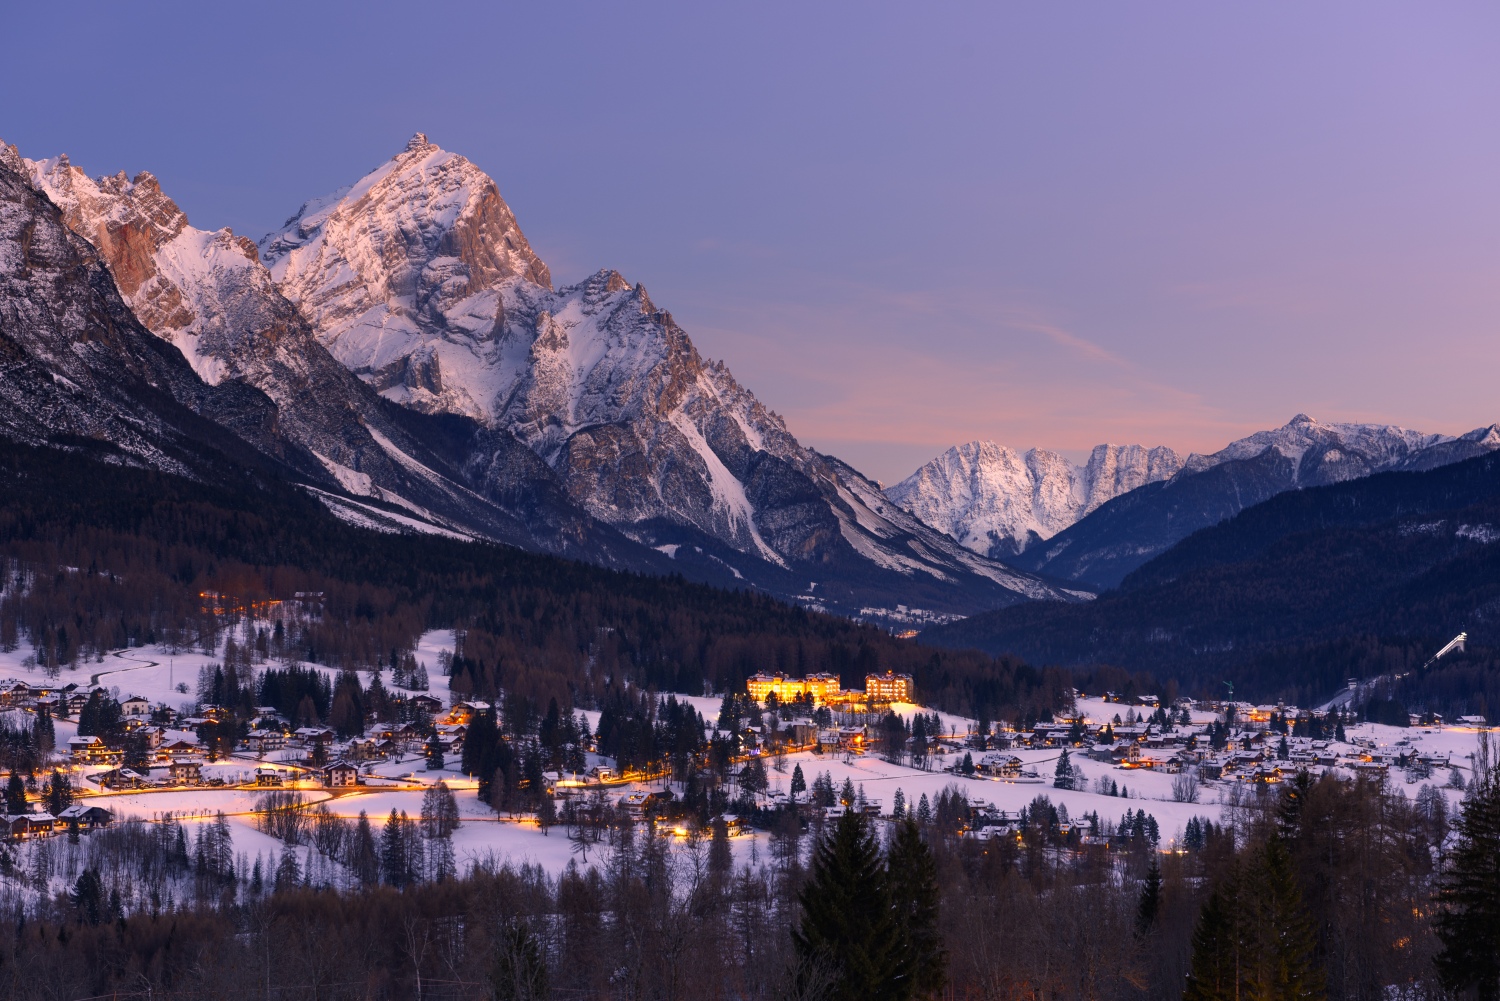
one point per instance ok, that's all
(824, 688)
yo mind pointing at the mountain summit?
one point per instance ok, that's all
(419, 280)
(997, 502)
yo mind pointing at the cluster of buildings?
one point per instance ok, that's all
(825, 689)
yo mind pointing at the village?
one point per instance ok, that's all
(802, 745)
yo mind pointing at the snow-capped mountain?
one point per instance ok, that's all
(1125, 533)
(997, 502)
(418, 279)
(78, 371)
(1321, 453)
(207, 294)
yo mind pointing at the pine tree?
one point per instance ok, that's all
(847, 923)
(912, 873)
(1215, 971)
(15, 794)
(1062, 778)
(1150, 900)
(288, 871)
(1468, 925)
(364, 859)
(799, 782)
(393, 865)
(435, 761)
(898, 805)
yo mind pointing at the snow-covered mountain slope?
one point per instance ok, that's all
(78, 371)
(1324, 453)
(418, 279)
(1130, 530)
(208, 294)
(997, 502)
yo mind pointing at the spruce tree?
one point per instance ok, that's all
(393, 852)
(1150, 901)
(1063, 776)
(15, 794)
(912, 872)
(1468, 924)
(1215, 971)
(847, 923)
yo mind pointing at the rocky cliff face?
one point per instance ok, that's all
(78, 371)
(997, 502)
(418, 280)
(208, 294)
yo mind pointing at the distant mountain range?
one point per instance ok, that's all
(398, 349)
(1095, 524)
(1296, 594)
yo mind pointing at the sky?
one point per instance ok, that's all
(903, 226)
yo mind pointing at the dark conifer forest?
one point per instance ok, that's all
(104, 556)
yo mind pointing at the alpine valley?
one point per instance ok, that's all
(398, 350)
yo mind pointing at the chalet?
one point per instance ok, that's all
(267, 776)
(88, 817)
(15, 693)
(340, 774)
(185, 772)
(87, 750)
(1478, 721)
(313, 736)
(656, 801)
(634, 803)
(179, 746)
(74, 703)
(265, 740)
(1000, 765)
(121, 778)
(363, 748)
(426, 703)
(834, 812)
(17, 826)
(135, 706)
(600, 773)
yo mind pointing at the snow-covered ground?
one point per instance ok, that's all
(156, 673)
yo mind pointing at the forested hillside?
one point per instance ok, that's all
(100, 556)
(1295, 595)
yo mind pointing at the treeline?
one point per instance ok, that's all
(1316, 889)
(102, 556)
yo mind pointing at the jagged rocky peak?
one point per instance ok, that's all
(419, 280)
(416, 250)
(204, 291)
(997, 501)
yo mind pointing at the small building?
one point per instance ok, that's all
(340, 774)
(135, 706)
(265, 740)
(267, 777)
(86, 750)
(185, 772)
(426, 703)
(88, 817)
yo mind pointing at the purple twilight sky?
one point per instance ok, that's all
(902, 225)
